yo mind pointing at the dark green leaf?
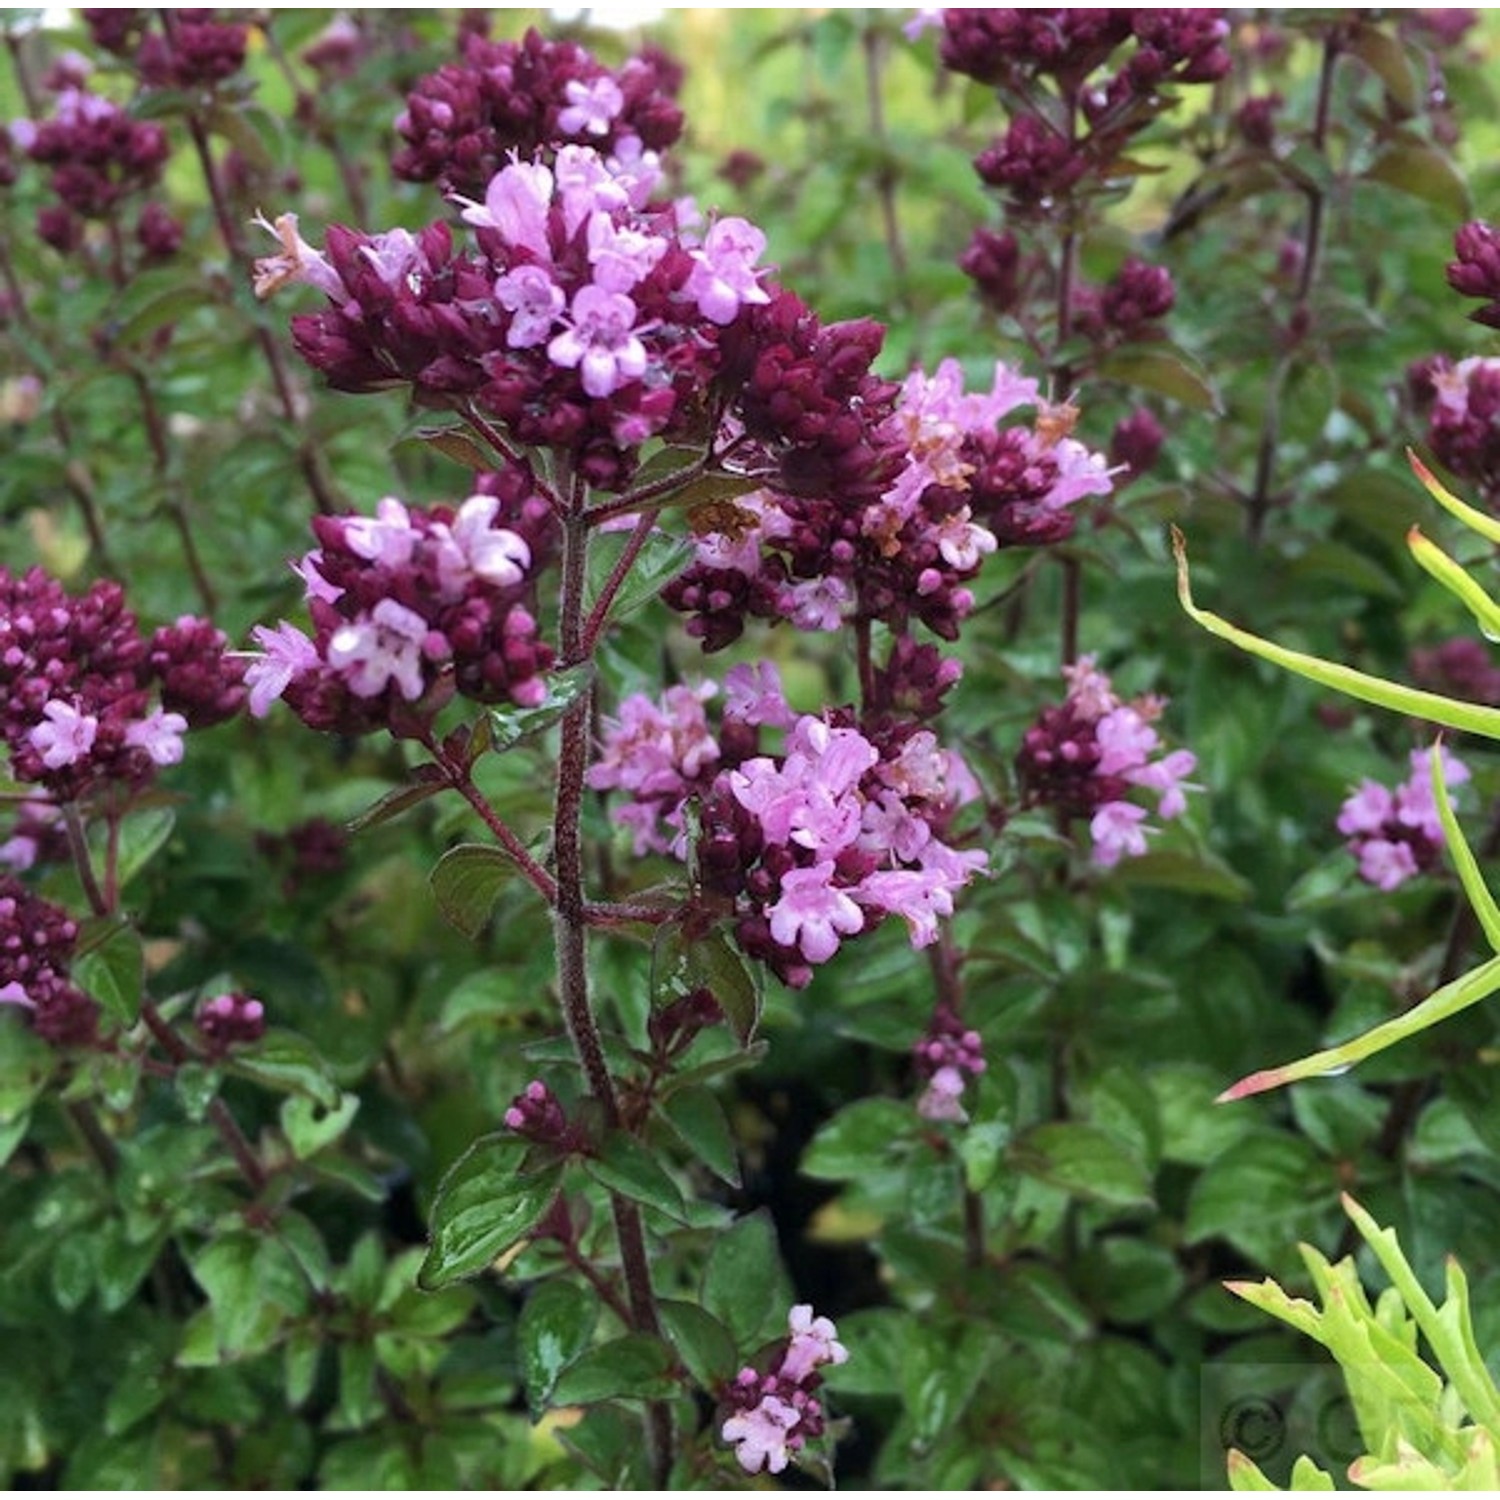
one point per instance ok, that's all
(697, 1117)
(743, 1281)
(72, 1270)
(26, 1063)
(424, 782)
(682, 962)
(857, 1138)
(466, 882)
(288, 1062)
(1160, 368)
(197, 1086)
(1423, 172)
(309, 1127)
(1083, 1160)
(482, 995)
(661, 558)
(510, 725)
(701, 1340)
(485, 1206)
(627, 1167)
(556, 1325)
(1388, 60)
(1179, 870)
(111, 968)
(631, 1366)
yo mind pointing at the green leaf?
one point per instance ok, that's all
(142, 836)
(1161, 368)
(1179, 870)
(698, 1119)
(1457, 580)
(287, 1062)
(1085, 1161)
(1435, 708)
(857, 1138)
(299, 1366)
(111, 967)
(1422, 172)
(631, 1366)
(683, 961)
(26, 1063)
(743, 1281)
(466, 882)
(627, 1167)
(510, 725)
(1258, 1193)
(556, 1325)
(1462, 856)
(661, 558)
(1476, 520)
(309, 1127)
(481, 995)
(196, 1086)
(423, 782)
(12, 1133)
(1388, 60)
(487, 1204)
(702, 1341)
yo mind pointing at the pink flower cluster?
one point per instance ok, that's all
(37, 836)
(1395, 833)
(193, 50)
(1463, 420)
(1085, 756)
(957, 484)
(230, 1020)
(411, 606)
(806, 847)
(773, 1415)
(944, 1056)
(585, 319)
(86, 698)
(507, 100)
(36, 943)
(99, 155)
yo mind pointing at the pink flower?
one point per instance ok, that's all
(534, 302)
(591, 107)
(1385, 863)
(288, 655)
(65, 737)
(621, 256)
(601, 344)
(385, 646)
(1116, 831)
(723, 278)
(1125, 740)
(516, 204)
(941, 1098)
(386, 538)
(478, 549)
(760, 1435)
(812, 914)
(814, 1343)
(159, 734)
(753, 695)
(1366, 810)
(918, 896)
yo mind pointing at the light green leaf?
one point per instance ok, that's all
(556, 1325)
(466, 882)
(1457, 580)
(1463, 856)
(309, 1127)
(631, 1366)
(111, 967)
(627, 1167)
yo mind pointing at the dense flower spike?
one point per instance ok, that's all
(1085, 756)
(1463, 420)
(36, 943)
(411, 606)
(954, 485)
(944, 1056)
(584, 319)
(504, 100)
(230, 1020)
(774, 1414)
(1396, 833)
(85, 698)
(807, 847)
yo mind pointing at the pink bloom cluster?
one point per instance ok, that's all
(1475, 271)
(410, 606)
(230, 1020)
(36, 943)
(1395, 832)
(1463, 422)
(958, 484)
(537, 1113)
(1085, 756)
(504, 100)
(99, 155)
(85, 697)
(194, 49)
(809, 846)
(773, 1415)
(585, 319)
(944, 1056)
